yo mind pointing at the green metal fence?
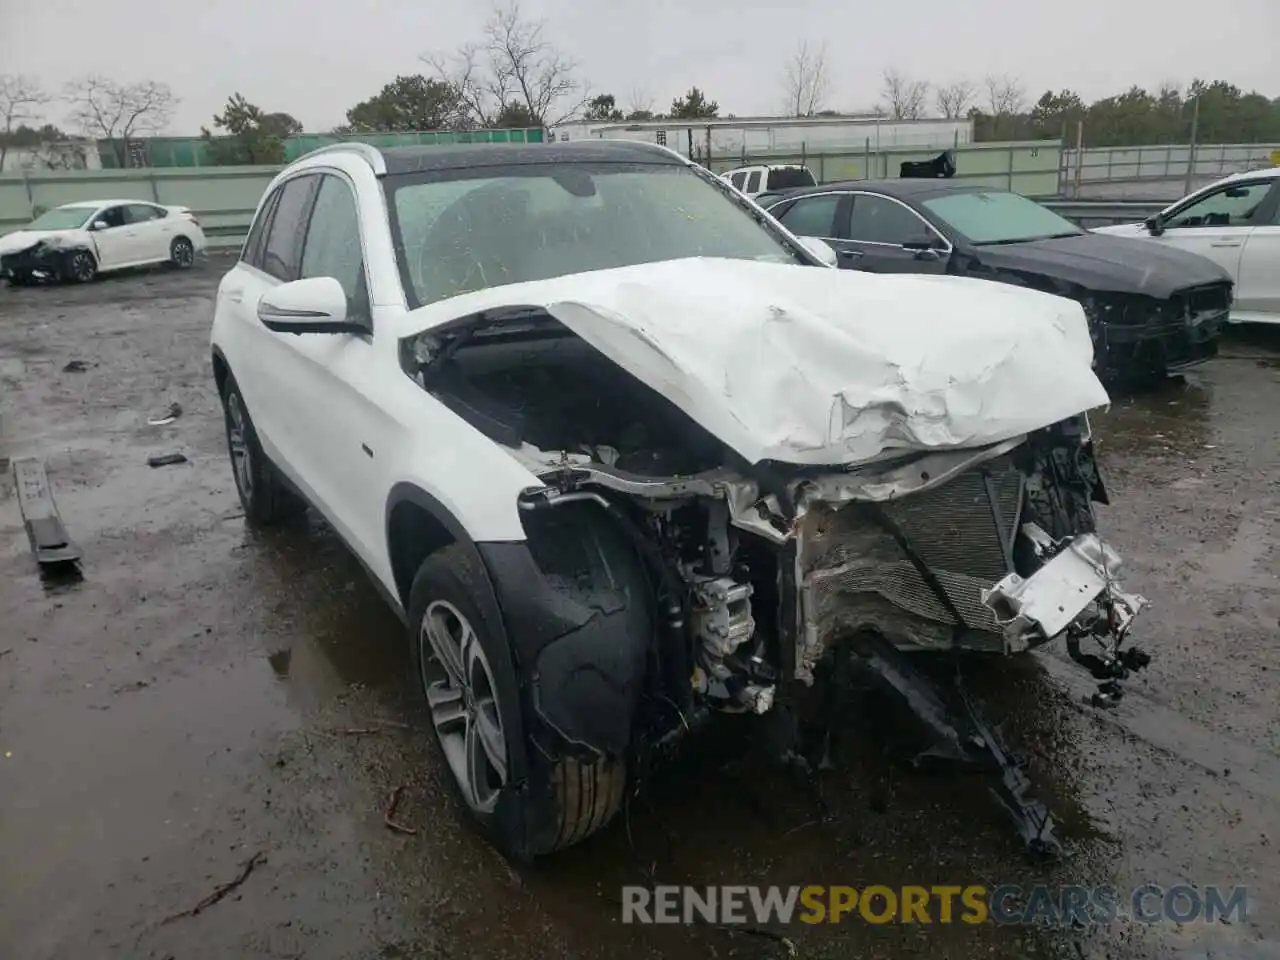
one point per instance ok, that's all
(194, 151)
(225, 197)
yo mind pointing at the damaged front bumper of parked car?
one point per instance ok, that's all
(1135, 333)
(45, 259)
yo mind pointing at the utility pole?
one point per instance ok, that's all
(1191, 155)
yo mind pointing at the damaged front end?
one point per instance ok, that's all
(762, 573)
(44, 260)
(1135, 333)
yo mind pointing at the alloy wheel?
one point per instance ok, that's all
(184, 253)
(238, 443)
(460, 692)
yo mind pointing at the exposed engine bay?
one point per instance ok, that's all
(763, 573)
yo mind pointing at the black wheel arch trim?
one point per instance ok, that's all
(533, 616)
(502, 661)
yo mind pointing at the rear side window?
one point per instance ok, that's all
(753, 182)
(813, 216)
(252, 251)
(142, 212)
(282, 253)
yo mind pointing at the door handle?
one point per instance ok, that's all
(235, 296)
(1227, 243)
(849, 254)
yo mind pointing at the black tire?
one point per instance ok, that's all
(182, 253)
(80, 266)
(566, 800)
(263, 494)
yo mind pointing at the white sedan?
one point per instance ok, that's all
(77, 241)
(1236, 223)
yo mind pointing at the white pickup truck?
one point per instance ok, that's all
(767, 178)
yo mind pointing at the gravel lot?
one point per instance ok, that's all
(191, 703)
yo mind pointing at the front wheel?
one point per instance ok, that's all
(81, 267)
(456, 660)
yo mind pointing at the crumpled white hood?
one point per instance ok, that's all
(815, 366)
(21, 239)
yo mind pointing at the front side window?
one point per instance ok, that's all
(112, 216)
(333, 246)
(813, 216)
(458, 231)
(881, 220)
(738, 179)
(283, 250)
(1231, 206)
(61, 218)
(997, 216)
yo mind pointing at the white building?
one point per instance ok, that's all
(741, 137)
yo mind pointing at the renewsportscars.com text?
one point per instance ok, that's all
(972, 904)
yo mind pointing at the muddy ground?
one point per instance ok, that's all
(189, 705)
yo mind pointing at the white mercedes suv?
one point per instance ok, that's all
(625, 454)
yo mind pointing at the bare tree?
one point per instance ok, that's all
(904, 97)
(21, 100)
(107, 109)
(513, 66)
(804, 80)
(640, 103)
(954, 99)
(1005, 95)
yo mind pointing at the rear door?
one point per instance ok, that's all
(264, 362)
(150, 238)
(882, 234)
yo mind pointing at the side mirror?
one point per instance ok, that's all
(99, 225)
(820, 249)
(313, 305)
(1154, 225)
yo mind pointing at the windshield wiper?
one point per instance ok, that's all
(1050, 236)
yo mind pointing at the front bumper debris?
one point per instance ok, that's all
(38, 259)
(1048, 602)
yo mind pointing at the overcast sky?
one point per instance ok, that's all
(315, 58)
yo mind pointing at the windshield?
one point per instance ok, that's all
(462, 230)
(995, 216)
(61, 218)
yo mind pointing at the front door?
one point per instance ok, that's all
(113, 237)
(1216, 224)
(884, 235)
(1257, 297)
